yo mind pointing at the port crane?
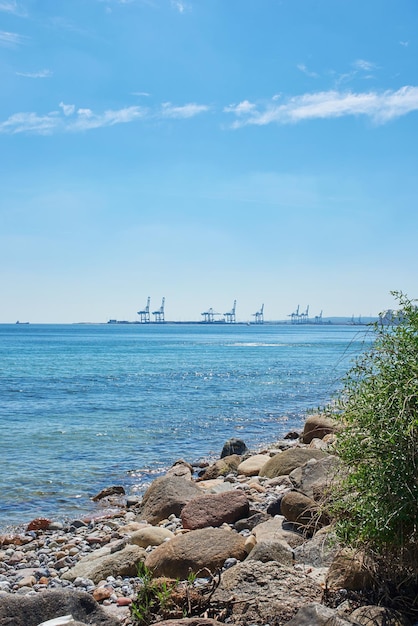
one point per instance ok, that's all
(209, 316)
(318, 318)
(144, 316)
(304, 317)
(159, 314)
(259, 315)
(230, 316)
(300, 318)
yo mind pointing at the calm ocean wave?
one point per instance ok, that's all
(86, 406)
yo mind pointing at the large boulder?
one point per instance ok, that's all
(378, 616)
(285, 462)
(253, 465)
(272, 550)
(215, 510)
(314, 477)
(233, 446)
(300, 509)
(222, 467)
(317, 614)
(264, 592)
(277, 529)
(100, 564)
(165, 496)
(317, 426)
(195, 551)
(350, 569)
(150, 536)
(18, 610)
(320, 550)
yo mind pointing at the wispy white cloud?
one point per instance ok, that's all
(302, 67)
(11, 6)
(67, 109)
(366, 66)
(184, 111)
(40, 74)
(243, 108)
(11, 40)
(141, 94)
(405, 44)
(379, 107)
(179, 5)
(69, 119)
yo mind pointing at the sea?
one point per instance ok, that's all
(86, 406)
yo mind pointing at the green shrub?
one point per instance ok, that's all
(375, 500)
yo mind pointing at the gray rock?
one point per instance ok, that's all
(17, 610)
(265, 592)
(103, 563)
(319, 551)
(315, 476)
(272, 550)
(248, 523)
(316, 614)
(233, 446)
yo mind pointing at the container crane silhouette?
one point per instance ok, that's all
(318, 318)
(304, 317)
(209, 316)
(159, 314)
(144, 316)
(230, 316)
(259, 315)
(294, 317)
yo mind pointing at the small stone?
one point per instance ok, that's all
(102, 593)
(40, 523)
(124, 601)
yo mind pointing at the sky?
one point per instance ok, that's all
(206, 151)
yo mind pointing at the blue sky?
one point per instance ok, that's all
(207, 150)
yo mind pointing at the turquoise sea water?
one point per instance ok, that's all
(87, 406)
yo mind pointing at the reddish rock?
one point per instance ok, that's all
(40, 523)
(16, 540)
(124, 601)
(102, 593)
(165, 496)
(215, 510)
(102, 540)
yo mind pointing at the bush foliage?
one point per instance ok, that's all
(375, 502)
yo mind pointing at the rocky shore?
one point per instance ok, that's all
(245, 540)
